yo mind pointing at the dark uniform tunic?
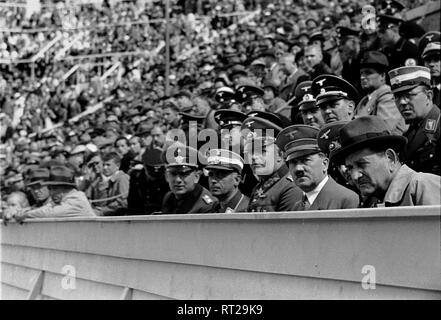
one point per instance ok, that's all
(145, 195)
(423, 153)
(200, 200)
(238, 203)
(276, 193)
(400, 52)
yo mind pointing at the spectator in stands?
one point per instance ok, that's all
(117, 188)
(370, 153)
(314, 62)
(66, 201)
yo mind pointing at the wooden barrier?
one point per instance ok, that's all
(297, 255)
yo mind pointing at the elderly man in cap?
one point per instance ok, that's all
(379, 99)
(224, 176)
(413, 96)
(276, 190)
(335, 97)
(308, 166)
(183, 174)
(371, 155)
(39, 191)
(147, 185)
(66, 201)
(432, 59)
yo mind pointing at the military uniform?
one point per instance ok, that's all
(199, 200)
(403, 52)
(238, 203)
(277, 193)
(297, 142)
(182, 159)
(145, 195)
(423, 151)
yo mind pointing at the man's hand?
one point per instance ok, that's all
(9, 214)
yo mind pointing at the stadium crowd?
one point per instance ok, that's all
(310, 105)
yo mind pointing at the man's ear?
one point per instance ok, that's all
(392, 156)
(237, 179)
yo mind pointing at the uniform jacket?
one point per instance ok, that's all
(276, 193)
(382, 104)
(238, 203)
(116, 192)
(319, 69)
(411, 188)
(423, 149)
(73, 204)
(200, 200)
(145, 195)
(400, 52)
(332, 196)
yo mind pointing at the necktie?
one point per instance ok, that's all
(306, 203)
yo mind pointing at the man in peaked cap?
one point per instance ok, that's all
(39, 192)
(311, 114)
(148, 186)
(413, 95)
(399, 51)
(349, 48)
(370, 153)
(308, 166)
(379, 99)
(431, 57)
(226, 97)
(335, 97)
(251, 98)
(224, 176)
(183, 174)
(66, 201)
(431, 36)
(275, 191)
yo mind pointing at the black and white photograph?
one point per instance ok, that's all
(221, 154)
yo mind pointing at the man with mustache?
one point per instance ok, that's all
(224, 176)
(308, 166)
(335, 97)
(182, 174)
(413, 95)
(371, 154)
(275, 190)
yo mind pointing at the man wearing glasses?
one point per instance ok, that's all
(182, 174)
(413, 96)
(224, 176)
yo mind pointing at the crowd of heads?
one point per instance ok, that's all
(231, 68)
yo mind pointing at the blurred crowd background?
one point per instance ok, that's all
(100, 74)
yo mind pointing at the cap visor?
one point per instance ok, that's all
(406, 88)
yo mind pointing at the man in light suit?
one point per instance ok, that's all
(308, 166)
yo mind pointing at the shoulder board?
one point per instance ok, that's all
(207, 199)
(289, 177)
